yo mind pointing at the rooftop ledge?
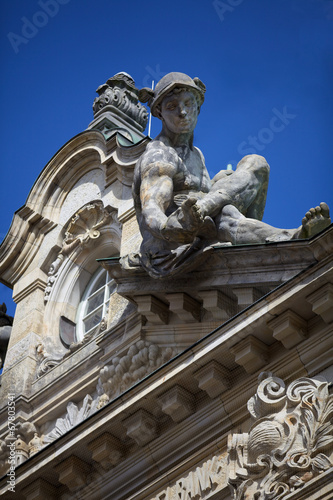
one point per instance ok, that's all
(266, 265)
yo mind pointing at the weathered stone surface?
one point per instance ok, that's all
(289, 328)
(40, 490)
(289, 444)
(180, 211)
(73, 472)
(250, 353)
(177, 402)
(106, 450)
(141, 426)
(322, 302)
(213, 378)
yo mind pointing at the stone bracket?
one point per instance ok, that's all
(141, 426)
(39, 490)
(156, 311)
(246, 296)
(213, 378)
(177, 402)
(288, 328)
(250, 353)
(322, 302)
(220, 305)
(73, 472)
(106, 450)
(185, 307)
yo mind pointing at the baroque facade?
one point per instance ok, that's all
(212, 384)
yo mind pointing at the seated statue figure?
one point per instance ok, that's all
(182, 212)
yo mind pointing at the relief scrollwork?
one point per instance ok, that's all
(120, 92)
(290, 442)
(85, 226)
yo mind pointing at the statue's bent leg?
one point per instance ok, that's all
(232, 226)
(246, 189)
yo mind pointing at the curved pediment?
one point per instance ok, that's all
(88, 167)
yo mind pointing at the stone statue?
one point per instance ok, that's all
(181, 212)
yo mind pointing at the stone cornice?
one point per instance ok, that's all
(246, 264)
(180, 371)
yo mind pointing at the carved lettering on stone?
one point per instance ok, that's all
(290, 442)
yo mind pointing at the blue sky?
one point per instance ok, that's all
(267, 66)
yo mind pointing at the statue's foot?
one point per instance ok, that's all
(315, 220)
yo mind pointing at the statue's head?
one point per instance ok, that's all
(172, 82)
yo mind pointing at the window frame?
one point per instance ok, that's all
(108, 289)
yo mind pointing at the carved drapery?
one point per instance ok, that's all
(290, 442)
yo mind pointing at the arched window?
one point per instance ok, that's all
(94, 303)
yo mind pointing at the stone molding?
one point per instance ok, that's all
(177, 402)
(213, 378)
(106, 450)
(250, 353)
(73, 472)
(290, 442)
(141, 426)
(45, 360)
(41, 212)
(40, 490)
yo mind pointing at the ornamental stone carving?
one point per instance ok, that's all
(74, 415)
(85, 226)
(15, 447)
(290, 442)
(45, 360)
(141, 359)
(120, 92)
(200, 483)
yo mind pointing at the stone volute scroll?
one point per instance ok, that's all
(181, 212)
(117, 109)
(290, 442)
(85, 226)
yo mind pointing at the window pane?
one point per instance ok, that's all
(100, 282)
(93, 320)
(95, 301)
